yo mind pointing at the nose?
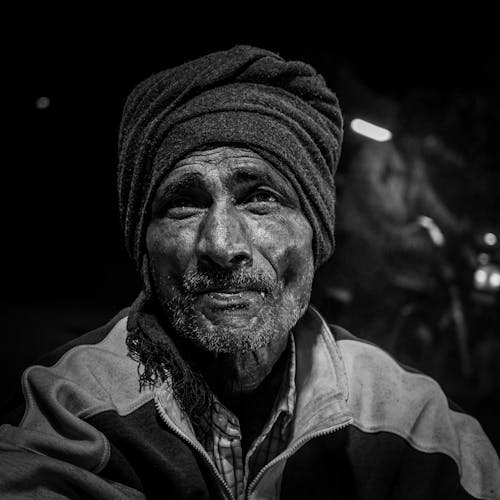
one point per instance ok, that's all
(223, 240)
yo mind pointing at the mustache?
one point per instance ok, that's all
(196, 282)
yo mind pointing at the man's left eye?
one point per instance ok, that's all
(262, 202)
(262, 197)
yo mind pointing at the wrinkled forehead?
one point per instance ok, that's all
(232, 165)
(223, 156)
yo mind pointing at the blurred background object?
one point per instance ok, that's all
(416, 268)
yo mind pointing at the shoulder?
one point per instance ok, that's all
(90, 338)
(91, 374)
(386, 397)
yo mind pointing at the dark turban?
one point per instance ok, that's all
(246, 97)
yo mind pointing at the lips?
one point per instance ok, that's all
(230, 298)
(227, 290)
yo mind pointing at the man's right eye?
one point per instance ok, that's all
(182, 207)
(183, 202)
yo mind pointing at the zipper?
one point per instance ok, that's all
(288, 453)
(166, 420)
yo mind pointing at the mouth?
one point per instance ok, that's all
(230, 298)
(228, 290)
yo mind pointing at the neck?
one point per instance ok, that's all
(247, 382)
(234, 377)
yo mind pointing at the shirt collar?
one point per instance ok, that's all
(321, 380)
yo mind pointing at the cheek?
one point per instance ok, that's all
(286, 243)
(166, 258)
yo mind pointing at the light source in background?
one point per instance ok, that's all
(42, 102)
(370, 130)
(490, 239)
(487, 278)
(481, 278)
(435, 233)
(483, 258)
(495, 280)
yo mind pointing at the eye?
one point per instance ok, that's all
(183, 202)
(262, 196)
(262, 201)
(182, 207)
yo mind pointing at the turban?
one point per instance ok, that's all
(247, 97)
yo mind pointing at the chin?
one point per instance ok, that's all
(229, 333)
(234, 330)
(232, 335)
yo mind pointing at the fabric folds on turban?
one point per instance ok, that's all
(246, 97)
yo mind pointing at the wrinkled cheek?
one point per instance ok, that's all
(288, 247)
(168, 261)
(298, 276)
(298, 265)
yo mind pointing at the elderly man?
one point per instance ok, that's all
(221, 381)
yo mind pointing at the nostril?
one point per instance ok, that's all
(225, 260)
(240, 259)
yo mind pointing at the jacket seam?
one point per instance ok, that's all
(412, 442)
(105, 456)
(145, 399)
(62, 359)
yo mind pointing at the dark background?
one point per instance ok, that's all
(65, 267)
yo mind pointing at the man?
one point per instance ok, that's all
(221, 381)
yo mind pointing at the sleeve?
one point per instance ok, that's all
(53, 452)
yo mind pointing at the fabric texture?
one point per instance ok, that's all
(245, 96)
(363, 428)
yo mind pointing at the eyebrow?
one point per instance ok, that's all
(181, 184)
(252, 176)
(247, 176)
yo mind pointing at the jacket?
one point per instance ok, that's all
(364, 428)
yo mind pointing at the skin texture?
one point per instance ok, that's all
(231, 260)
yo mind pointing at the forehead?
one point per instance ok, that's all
(222, 155)
(228, 164)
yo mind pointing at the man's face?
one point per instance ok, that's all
(230, 251)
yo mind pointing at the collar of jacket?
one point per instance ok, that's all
(321, 383)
